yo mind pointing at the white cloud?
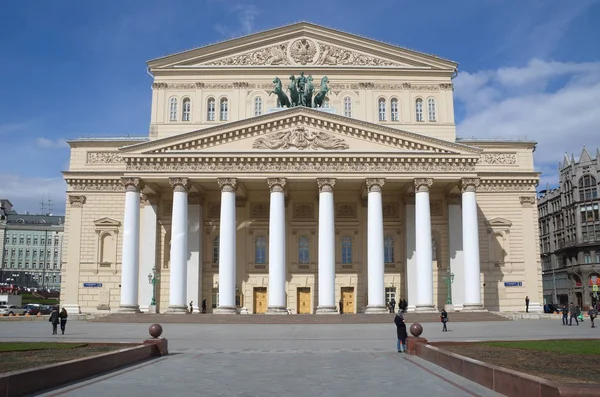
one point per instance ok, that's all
(51, 144)
(246, 15)
(26, 193)
(552, 103)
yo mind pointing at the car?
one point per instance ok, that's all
(12, 309)
(32, 308)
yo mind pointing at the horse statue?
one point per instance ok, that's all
(308, 92)
(294, 95)
(283, 99)
(320, 97)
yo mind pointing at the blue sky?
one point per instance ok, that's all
(528, 68)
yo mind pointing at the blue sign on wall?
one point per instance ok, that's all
(92, 285)
(513, 283)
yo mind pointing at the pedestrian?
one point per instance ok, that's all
(63, 319)
(527, 304)
(393, 305)
(400, 332)
(191, 307)
(592, 314)
(565, 315)
(204, 306)
(444, 320)
(572, 315)
(341, 307)
(54, 320)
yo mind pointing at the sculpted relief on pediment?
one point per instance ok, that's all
(300, 138)
(303, 51)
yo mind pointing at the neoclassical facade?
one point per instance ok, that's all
(258, 204)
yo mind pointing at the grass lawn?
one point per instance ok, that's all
(29, 298)
(24, 346)
(585, 347)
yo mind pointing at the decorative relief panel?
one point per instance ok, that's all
(493, 158)
(259, 210)
(214, 210)
(101, 185)
(345, 210)
(304, 211)
(335, 87)
(437, 208)
(507, 185)
(390, 210)
(300, 138)
(104, 158)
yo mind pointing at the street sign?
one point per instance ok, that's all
(595, 288)
(92, 285)
(513, 283)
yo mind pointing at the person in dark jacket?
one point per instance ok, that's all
(592, 314)
(400, 332)
(444, 320)
(63, 319)
(565, 315)
(54, 320)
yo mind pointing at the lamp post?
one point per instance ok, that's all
(153, 279)
(449, 279)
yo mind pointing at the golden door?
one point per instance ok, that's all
(303, 300)
(348, 299)
(260, 300)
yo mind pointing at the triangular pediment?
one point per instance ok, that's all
(300, 130)
(499, 222)
(106, 223)
(302, 45)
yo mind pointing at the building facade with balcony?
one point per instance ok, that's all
(31, 254)
(570, 233)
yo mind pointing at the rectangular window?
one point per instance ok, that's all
(390, 293)
(587, 258)
(215, 298)
(21, 240)
(303, 250)
(346, 250)
(597, 257)
(35, 240)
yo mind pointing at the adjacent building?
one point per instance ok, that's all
(298, 170)
(31, 248)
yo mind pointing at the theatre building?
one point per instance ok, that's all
(294, 170)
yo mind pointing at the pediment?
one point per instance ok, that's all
(106, 223)
(300, 130)
(499, 222)
(302, 44)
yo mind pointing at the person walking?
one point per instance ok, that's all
(393, 305)
(400, 332)
(592, 314)
(565, 315)
(527, 304)
(63, 319)
(572, 315)
(444, 320)
(191, 307)
(204, 306)
(53, 319)
(341, 307)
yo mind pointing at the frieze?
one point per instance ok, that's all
(104, 158)
(345, 210)
(507, 185)
(300, 138)
(497, 158)
(259, 210)
(390, 210)
(100, 185)
(304, 211)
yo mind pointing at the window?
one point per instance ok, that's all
(210, 109)
(587, 258)
(587, 188)
(258, 110)
(35, 240)
(260, 250)
(215, 254)
(381, 108)
(14, 239)
(55, 240)
(431, 109)
(597, 257)
(303, 250)
(589, 213)
(187, 110)
(394, 110)
(419, 109)
(224, 109)
(21, 240)
(173, 109)
(28, 240)
(215, 298)
(346, 250)
(388, 249)
(390, 293)
(348, 106)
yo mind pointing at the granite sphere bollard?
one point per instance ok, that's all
(416, 329)
(155, 330)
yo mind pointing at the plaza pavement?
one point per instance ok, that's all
(281, 360)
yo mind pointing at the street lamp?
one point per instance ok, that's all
(153, 279)
(449, 279)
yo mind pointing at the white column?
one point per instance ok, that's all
(227, 247)
(411, 258)
(147, 250)
(131, 246)
(424, 272)
(277, 303)
(194, 260)
(457, 257)
(470, 234)
(179, 248)
(326, 247)
(375, 260)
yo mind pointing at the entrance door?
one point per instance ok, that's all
(260, 300)
(348, 300)
(303, 300)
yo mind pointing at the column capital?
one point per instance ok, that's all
(180, 184)
(374, 184)
(132, 184)
(227, 184)
(326, 184)
(422, 184)
(77, 201)
(469, 184)
(276, 184)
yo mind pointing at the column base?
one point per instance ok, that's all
(177, 309)
(276, 310)
(425, 309)
(225, 310)
(326, 310)
(376, 309)
(473, 307)
(129, 309)
(72, 309)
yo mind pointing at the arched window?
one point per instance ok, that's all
(382, 111)
(419, 109)
(394, 110)
(388, 249)
(348, 106)
(187, 109)
(303, 250)
(260, 250)
(215, 250)
(224, 114)
(210, 109)
(346, 250)
(173, 109)
(431, 109)
(588, 190)
(258, 106)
